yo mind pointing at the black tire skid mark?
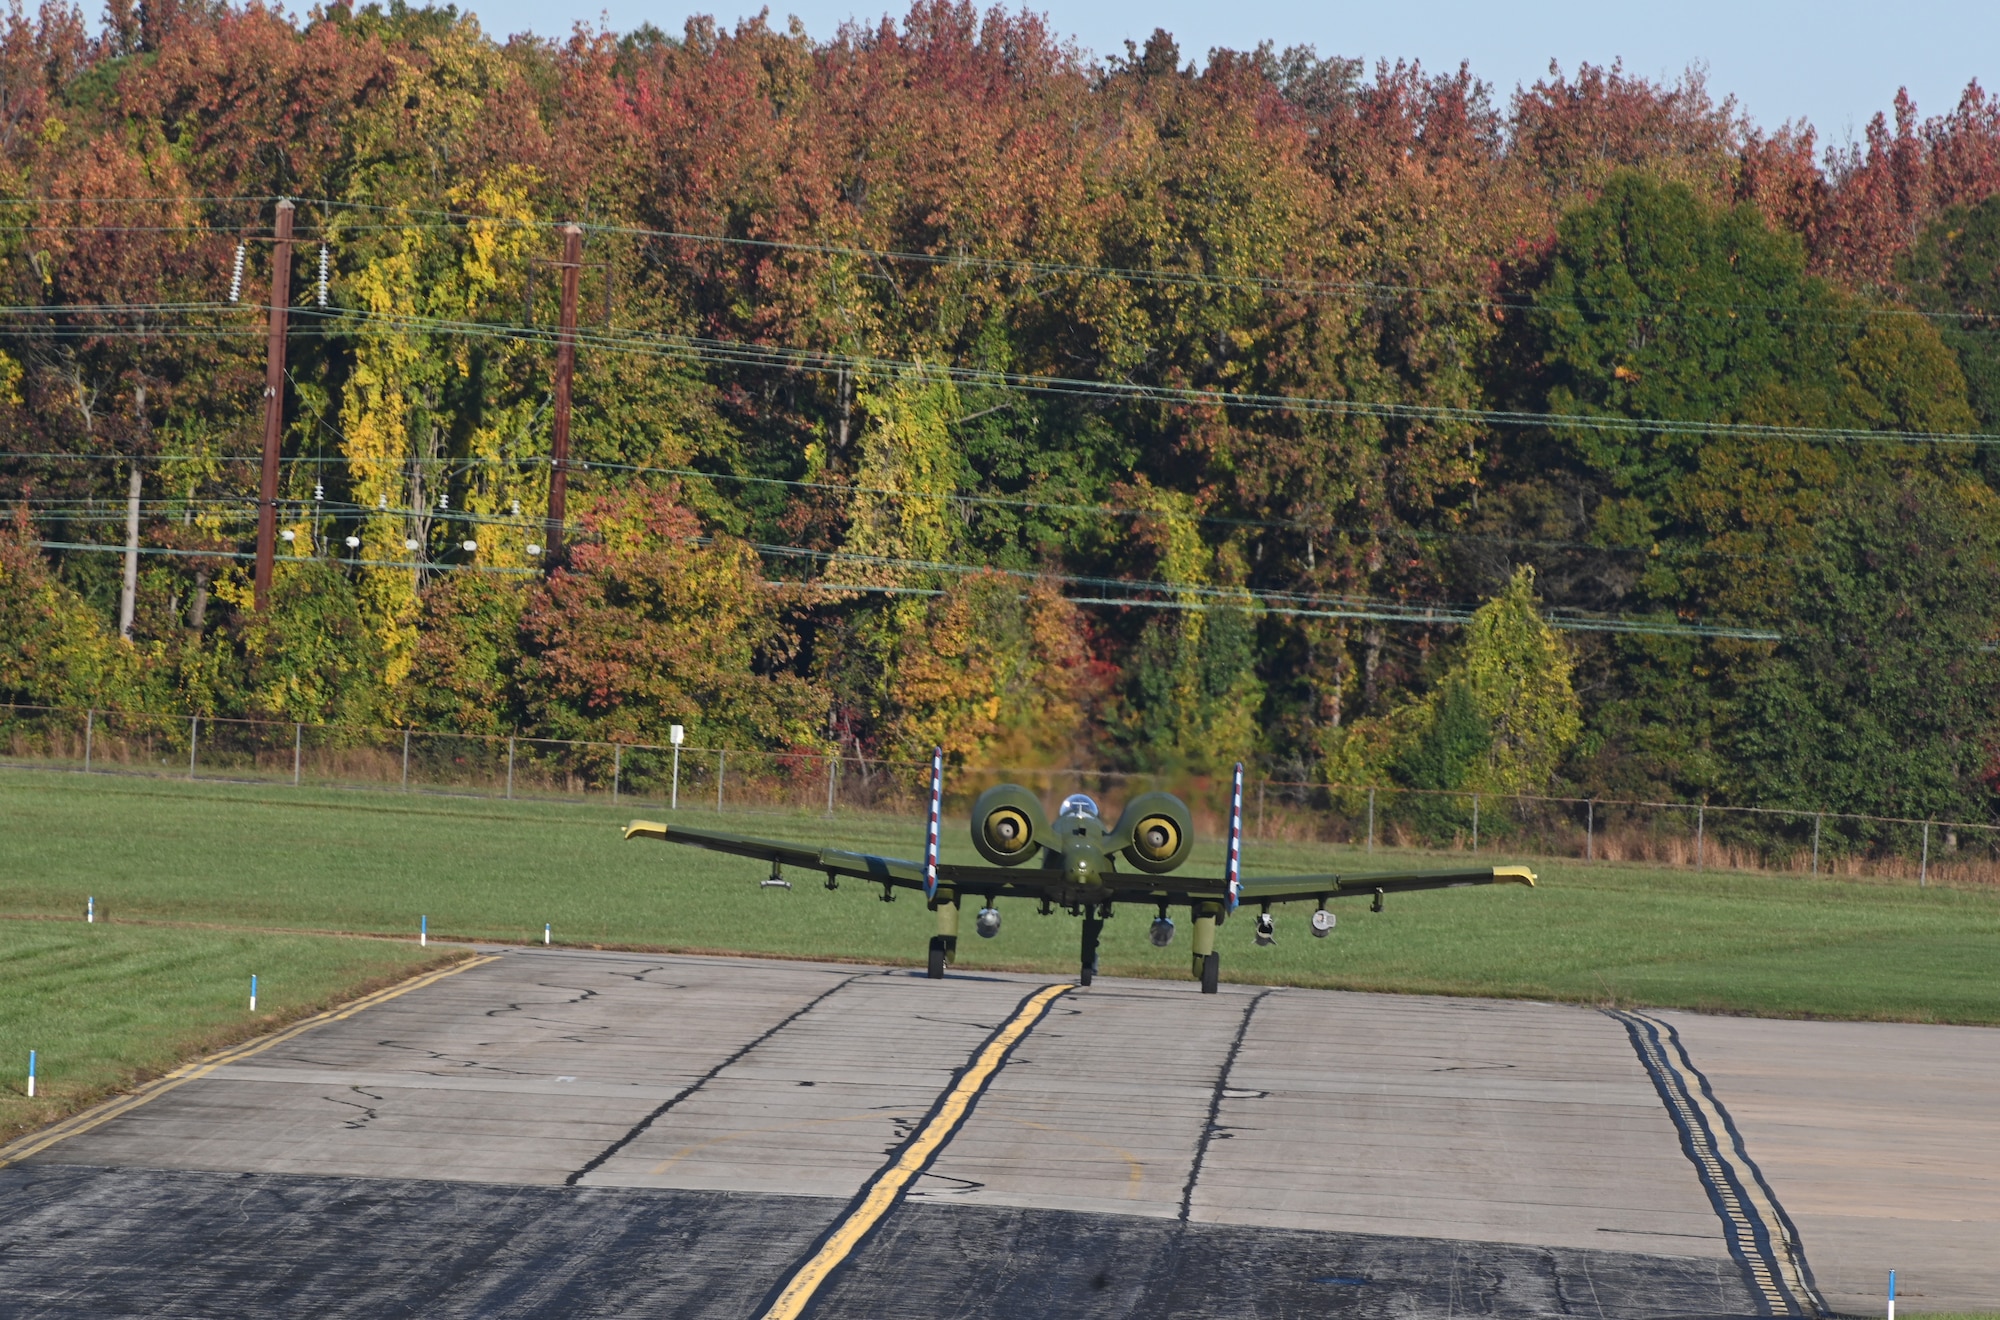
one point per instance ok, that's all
(1762, 1254)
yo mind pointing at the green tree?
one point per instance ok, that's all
(313, 656)
(1499, 719)
(1954, 268)
(1192, 693)
(1654, 304)
(1883, 696)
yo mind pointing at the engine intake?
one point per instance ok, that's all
(1154, 832)
(1008, 824)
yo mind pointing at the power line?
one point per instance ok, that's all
(739, 353)
(426, 565)
(1249, 600)
(778, 357)
(1365, 289)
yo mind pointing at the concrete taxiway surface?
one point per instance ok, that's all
(563, 1132)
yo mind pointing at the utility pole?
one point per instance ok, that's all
(128, 596)
(572, 265)
(274, 402)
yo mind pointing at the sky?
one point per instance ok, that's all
(1833, 63)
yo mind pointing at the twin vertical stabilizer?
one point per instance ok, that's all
(1234, 872)
(931, 834)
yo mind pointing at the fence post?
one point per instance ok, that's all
(1261, 785)
(298, 736)
(406, 760)
(617, 767)
(674, 803)
(89, 728)
(1475, 822)
(721, 761)
(1371, 820)
(1700, 822)
(194, 734)
(1924, 866)
(1818, 816)
(510, 766)
(1590, 830)
(832, 769)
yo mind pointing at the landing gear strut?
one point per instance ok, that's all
(1093, 927)
(944, 944)
(1207, 962)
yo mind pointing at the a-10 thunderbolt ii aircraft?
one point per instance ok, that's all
(1071, 864)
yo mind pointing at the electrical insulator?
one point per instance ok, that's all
(236, 276)
(319, 491)
(322, 274)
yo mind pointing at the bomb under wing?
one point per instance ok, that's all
(1073, 864)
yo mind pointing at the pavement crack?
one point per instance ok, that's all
(1212, 1129)
(368, 1112)
(638, 1129)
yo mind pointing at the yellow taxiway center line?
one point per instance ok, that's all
(37, 1142)
(890, 1183)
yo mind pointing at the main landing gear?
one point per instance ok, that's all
(944, 944)
(1093, 927)
(1207, 962)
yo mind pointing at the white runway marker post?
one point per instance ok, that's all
(31, 1092)
(253, 992)
(90, 909)
(423, 932)
(545, 932)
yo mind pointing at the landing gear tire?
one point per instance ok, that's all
(1211, 973)
(936, 969)
(1093, 927)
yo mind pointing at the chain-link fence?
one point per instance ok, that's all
(725, 780)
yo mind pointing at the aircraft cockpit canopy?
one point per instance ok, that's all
(1078, 804)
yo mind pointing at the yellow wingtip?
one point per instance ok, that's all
(645, 829)
(1519, 875)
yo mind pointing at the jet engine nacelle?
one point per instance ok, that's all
(1155, 832)
(1008, 825)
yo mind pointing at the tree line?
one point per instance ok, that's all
(938, 384)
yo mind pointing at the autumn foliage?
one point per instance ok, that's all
(901, 405)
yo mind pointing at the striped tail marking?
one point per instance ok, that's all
(1235, 868)
(931, 834)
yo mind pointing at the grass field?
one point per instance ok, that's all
(279, 859)
(104, 1005)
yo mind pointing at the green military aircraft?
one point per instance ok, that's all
(1077, 869)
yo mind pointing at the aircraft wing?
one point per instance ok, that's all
(1033, 882)
(833, 861)
(897, 871)
(1297, 888)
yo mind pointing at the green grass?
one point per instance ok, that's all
(339, 861)
(106, 1005)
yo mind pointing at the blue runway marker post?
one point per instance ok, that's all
(253, 992)
(545, 932)
(1892, 1284)
(31, 1078)
(423, 932)
(90, 909)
